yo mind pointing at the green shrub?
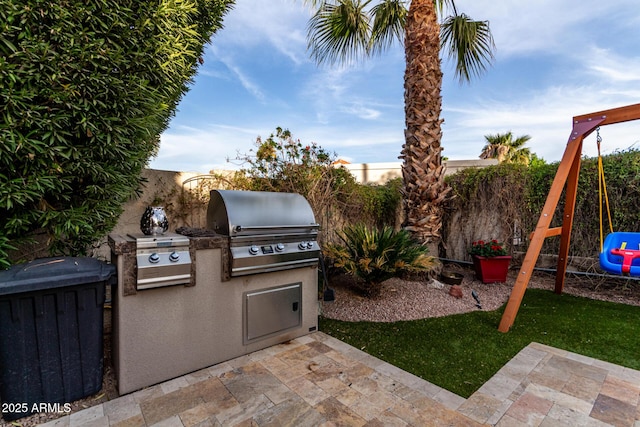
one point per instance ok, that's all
(380, 203)
(375, 255)
(283, 163)
(86, 88)
(516, 193)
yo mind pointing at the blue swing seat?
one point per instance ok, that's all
(617, 260)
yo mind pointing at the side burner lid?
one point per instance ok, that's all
(161, 240)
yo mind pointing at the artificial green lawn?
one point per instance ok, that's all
(461, 352)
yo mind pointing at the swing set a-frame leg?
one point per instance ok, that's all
(567, 220)
(542, 231)
(568, 173)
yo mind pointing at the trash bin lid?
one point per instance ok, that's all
(55, 272)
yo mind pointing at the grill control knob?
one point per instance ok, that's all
(279, 247)
(154, 258)
(174, 257)
(253, 250)
(302, 245)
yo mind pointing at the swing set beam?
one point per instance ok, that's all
(567, 175)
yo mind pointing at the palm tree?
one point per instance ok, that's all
(346, 30)
(503, 147)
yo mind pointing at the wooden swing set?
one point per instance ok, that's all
(568, 173)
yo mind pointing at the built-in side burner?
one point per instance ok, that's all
(162, 260)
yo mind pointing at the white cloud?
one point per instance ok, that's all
(252, 87)
(203, 149)
(546, 117)
(215, 74)
(359, 110)
(326, 89)
(613, 67)
(545, 26)
(277, 23)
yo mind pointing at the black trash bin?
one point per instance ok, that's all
(51, 332)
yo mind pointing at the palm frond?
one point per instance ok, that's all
(469, 44)
(503, 147)
(389, 18)
(440, 6)
(520, 141)
(339, 32)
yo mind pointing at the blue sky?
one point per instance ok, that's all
(554, 60)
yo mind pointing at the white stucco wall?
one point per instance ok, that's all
(379, 173)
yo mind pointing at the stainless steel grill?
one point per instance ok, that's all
(267, 231)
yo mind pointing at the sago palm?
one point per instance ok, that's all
(375, 255)
(504, 148)
(348, 30)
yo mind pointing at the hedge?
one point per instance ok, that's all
(86, 88)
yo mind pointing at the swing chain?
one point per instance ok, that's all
(598, 137)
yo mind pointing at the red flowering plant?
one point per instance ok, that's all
(487, 249)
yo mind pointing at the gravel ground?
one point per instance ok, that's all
(410, 300)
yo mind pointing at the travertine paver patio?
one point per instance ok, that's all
(545, 386)
(317, 380)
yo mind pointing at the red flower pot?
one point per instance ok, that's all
(492, 269)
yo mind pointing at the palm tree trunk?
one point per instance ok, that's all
(424, 189)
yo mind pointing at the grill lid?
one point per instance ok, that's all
(250, 213)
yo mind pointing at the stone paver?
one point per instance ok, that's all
(317, 380)
(561, 389)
